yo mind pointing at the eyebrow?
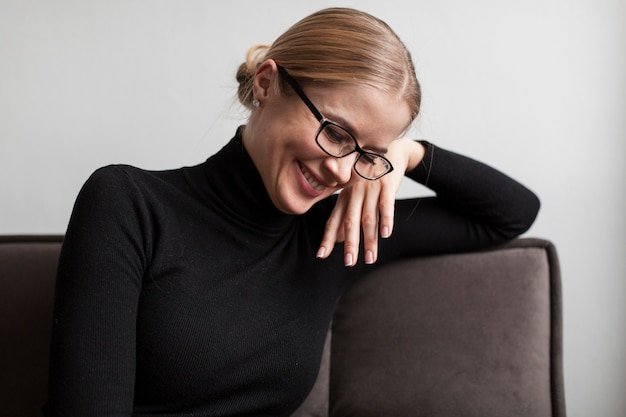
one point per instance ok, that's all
(376, 149)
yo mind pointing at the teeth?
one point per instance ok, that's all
(311, 180)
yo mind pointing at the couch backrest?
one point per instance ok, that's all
(27, 275)
(473, 334)
(470, 334)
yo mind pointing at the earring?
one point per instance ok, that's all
(256, 103)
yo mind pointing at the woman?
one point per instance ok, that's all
(205, 290)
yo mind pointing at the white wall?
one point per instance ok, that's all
(536, 88)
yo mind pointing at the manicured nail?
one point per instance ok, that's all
(385, 232)
(348, 259)
(369, 257)
(320, 252)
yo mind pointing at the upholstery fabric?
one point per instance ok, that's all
(27, 271)
(466, 334)
(470, 334)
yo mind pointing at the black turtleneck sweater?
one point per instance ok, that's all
(187, 293)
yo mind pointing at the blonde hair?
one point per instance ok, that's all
(338, 45)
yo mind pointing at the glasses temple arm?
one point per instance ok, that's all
(296, 87)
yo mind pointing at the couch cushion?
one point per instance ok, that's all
(456, 335)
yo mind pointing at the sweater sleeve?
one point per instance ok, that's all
(475, 206)
(101, 266)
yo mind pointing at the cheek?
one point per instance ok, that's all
(301, 147)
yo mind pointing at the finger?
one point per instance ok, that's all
(369, 223)
(386, 207)
(333, 231)
(352, 225)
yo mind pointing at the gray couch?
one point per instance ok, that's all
(470, 334)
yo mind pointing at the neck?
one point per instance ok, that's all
(237, 186)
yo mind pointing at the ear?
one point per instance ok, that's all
(264, 78)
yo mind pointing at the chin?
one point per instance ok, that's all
(294, 205)
(295, 209)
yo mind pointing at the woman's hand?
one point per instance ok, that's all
(369, 205)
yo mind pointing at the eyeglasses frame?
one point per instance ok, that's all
(324, 122)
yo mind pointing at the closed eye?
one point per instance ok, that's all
(338, 135)
(371, 159)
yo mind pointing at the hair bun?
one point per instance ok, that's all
(246, 71)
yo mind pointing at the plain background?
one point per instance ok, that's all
(535, 88)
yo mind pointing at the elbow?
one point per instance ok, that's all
(534, 205)
(525, 214)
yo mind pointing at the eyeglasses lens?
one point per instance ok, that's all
(337, 141)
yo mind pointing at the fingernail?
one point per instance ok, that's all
(320, 252)
(348, 259)
(385, 232)
(369, 257)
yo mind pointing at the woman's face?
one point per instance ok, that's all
(280, 137)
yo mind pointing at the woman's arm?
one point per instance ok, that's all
(475, 206)
(98, 285)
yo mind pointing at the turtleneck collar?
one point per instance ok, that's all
(236, 185)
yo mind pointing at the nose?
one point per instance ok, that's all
(340, 168)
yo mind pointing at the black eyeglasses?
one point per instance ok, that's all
(336, 141)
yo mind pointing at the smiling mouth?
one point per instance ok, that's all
(310, 179)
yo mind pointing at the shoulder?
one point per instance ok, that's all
(125, 179)
(108, 181)
(107, 189)
(119, 184)
(121, 197)
(115, 188)
(115, 174)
